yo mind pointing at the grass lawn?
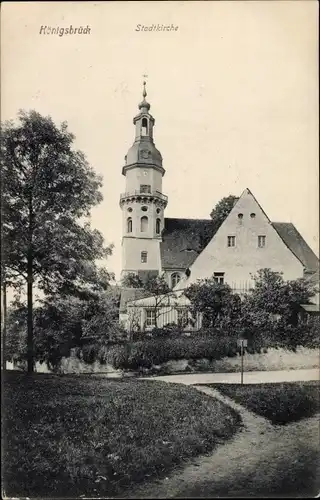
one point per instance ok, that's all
(76, 435)
(281, 403)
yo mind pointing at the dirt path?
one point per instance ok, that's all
(259, 460)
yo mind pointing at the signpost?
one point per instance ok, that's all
(242, 343)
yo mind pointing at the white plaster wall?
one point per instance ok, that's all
(143, 175)
(131, 254)
(238, 262)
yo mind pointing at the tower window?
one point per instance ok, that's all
(144, 209)
(158, 226)
(158, 210)
(261, 241)
(145, 188)
(175, 278)
(144, 126)
(129, 209)
(252, 215)
(231, 241)
(144, 257)
(240, 216)
(218, 278)
(129, 225)
(144, 224)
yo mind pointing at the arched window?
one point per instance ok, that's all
(175, 278)
(158, 226)
(144, 126)
(144, 224)
(129, 225)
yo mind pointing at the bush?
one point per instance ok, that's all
(155, 351)
(281, 402)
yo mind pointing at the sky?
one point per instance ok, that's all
(234, 92)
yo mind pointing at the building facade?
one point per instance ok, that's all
(187, 250)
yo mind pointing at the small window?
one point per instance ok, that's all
(252, 215)
(240, 216)
(129, 225)
(175, 278)
(158, 226)
(261, 241)
(145, 188)
(144, 257)
(129, 209)
(150, 318)
(144, 224)
(144, 208)
(218, 278)
(158, 210)
(231, 241)
(144, 127)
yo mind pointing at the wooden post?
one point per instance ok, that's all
(242, 362)
(4, 325)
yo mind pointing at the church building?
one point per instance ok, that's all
(185, 250)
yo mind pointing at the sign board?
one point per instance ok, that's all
(242, 342)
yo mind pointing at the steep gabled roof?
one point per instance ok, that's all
(183, 240)
(298, 246)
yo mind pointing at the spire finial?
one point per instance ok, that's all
(144, 103)
(144, 93)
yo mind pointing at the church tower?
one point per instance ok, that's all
(143, 203)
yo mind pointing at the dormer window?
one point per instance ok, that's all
(144, 127)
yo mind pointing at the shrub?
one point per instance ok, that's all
(281, 403)
(155, 351)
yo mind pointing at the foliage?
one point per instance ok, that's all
(88, 436)
(223, 208)
(267, 315)
(281, 402)
(155, 286)
(132, 280)
(63, 323)
(213, 300)
(157, 350)
(274, 295)
(48, 189)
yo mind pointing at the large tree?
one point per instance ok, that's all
(276, 296)
(62, 323)
(213, 300)
(48, 190)
(223, 208)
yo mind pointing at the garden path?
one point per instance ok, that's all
(258, 460)
(248, 377)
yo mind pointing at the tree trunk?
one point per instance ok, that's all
(30, 350)
(4, 329)
(30, 353)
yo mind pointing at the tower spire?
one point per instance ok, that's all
(144, 105)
